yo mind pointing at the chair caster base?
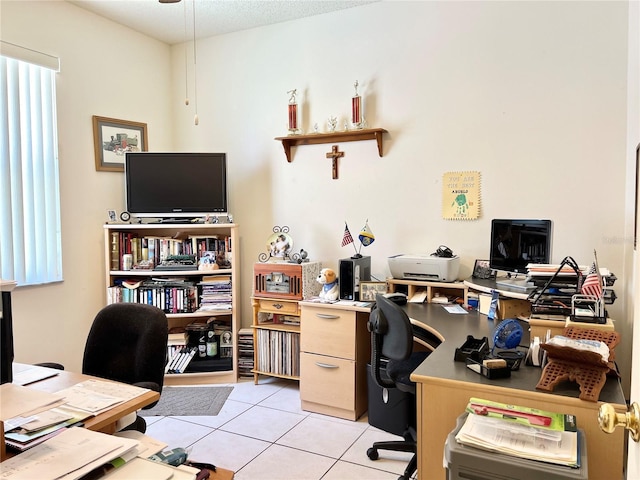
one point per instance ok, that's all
(372, 453)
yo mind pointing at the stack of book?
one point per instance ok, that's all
(521, 432)
(245, 352)
(215, 293)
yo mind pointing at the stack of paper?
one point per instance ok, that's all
(97, 396)
(24, 433)
(31, 416)
(17, 400)
(69, 455)
(24, 374)
(521, 432)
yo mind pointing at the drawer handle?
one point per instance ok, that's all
(327, 316)
(277, 306)
(326, 365)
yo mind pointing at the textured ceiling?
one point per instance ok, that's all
(173, 22)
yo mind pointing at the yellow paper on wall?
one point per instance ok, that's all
(461, 195)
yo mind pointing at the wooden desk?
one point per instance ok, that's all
(104, 422)
(443, 389)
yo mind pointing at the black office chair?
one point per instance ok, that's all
(128, 343)
(392, 403)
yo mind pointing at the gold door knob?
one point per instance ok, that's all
(609, 419)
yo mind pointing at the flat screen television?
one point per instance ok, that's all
(171, 185)
(517, 243)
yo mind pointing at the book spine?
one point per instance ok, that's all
(186, 359)
(115, 251)
(151, 248)
(176, 360)
(135, 250)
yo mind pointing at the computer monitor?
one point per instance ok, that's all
(517, 243)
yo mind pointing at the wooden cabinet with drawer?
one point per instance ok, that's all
(335, 349)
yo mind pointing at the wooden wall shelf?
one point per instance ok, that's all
(316, 138)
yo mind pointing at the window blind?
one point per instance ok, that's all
(30, 237)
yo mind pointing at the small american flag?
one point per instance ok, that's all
(592, 285)
(346, 238)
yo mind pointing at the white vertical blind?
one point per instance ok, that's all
(30, 241)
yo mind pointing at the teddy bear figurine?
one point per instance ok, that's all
(329, 281)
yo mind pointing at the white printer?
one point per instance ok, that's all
(424, 267)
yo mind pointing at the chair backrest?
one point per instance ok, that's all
(391, 336)
(128, 343)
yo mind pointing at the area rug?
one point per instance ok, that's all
(189, 401)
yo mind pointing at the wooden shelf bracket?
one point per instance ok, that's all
(317, 138)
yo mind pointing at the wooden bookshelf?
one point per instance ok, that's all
(185, 308)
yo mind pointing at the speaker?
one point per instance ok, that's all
(352, 271)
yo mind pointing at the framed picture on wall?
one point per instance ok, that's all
(368, 290)
(112, 138)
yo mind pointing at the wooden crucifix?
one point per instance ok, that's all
(334, 154)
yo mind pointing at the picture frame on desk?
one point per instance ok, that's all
(481, 269)
(226, 338)
(369, 290)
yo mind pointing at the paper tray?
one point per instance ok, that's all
(476, 348)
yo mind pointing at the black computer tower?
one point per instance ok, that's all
(352, 271)
(391, 410)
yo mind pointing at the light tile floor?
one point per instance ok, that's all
(262, 434)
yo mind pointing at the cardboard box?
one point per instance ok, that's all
(538, 328)
(513, 308)
(607, 327)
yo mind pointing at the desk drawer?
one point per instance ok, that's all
(277, 306)
(328, 332)
(327, 380)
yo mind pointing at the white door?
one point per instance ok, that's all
(633, 82)
(633, 460)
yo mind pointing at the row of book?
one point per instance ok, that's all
(168, 296)
(279, 352)
(152, 251)
(180, 359)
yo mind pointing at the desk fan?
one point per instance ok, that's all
(507, 335)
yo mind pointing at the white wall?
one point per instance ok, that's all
(106, 70)
(531, 94)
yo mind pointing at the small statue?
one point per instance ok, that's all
(333, 123)
(315, 127)
(329, 282)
